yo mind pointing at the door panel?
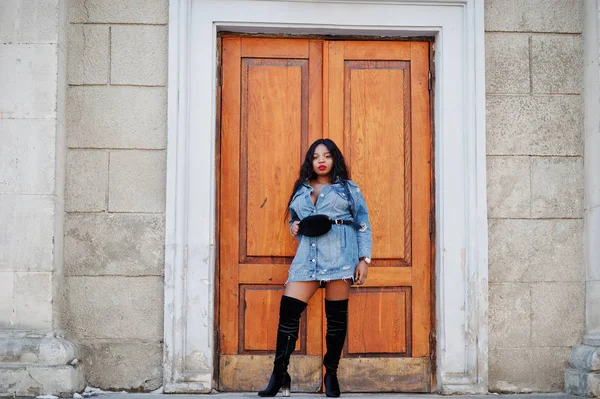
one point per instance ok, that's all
(277, 88)
(379, 114)
(372, 99)
(268, 118)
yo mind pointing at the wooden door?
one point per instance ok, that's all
(372, 99)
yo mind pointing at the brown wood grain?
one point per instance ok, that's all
(265, 273)
(267, 120)
(315, 100)
(274, 48)
(377, 321)
(371, 98)
(379, 374)
(335, 90)
(271, 147)
(376, 100)
(259, 318)
(251, 372)
(421, 155)
(377, 50)
(229, 217)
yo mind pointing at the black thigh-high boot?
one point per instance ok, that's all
(290, 311)
(337, 325)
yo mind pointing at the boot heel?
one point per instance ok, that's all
(287, 383)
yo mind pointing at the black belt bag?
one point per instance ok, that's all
(316, 225)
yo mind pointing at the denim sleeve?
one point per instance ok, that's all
(365, 240)
(293, 218)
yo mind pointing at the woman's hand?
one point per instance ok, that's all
(360, 276)
(295, 227)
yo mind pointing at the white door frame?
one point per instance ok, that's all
(460, 173)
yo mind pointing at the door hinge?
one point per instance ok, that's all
(429, 80)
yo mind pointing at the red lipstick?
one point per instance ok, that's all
(322, 167)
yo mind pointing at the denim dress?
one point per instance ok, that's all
(335, 254)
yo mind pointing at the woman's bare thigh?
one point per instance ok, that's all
(302, 290)
(337, 290)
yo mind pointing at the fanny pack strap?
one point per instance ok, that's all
(346, 222)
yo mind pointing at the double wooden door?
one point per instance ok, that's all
(372, 98)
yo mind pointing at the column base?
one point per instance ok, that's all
(34, 363)
(582, 377)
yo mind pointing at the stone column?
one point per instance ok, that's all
(583, 375)
(34, 359)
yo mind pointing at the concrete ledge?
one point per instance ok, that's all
(33, 364)
(27, 380)
(582, 383)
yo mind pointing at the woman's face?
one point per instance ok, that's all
(322, 160)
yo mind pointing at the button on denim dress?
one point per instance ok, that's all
(335, 254)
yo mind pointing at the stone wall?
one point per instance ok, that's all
(534, 75)
(115, 189)
(32, 74)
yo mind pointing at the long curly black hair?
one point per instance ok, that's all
(338, 171)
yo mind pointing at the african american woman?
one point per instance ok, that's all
(329, 219)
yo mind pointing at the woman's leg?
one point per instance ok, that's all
(336, 310)
(293, 303)
(337, 290)
(302, 290)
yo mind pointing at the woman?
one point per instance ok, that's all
(333, 259)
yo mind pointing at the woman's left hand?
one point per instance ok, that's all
(360, 276)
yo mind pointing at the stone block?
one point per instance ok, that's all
(139, 55)
(133, 310)
(29, 21)
(534, 125)
(47, 350)
(534, 15)
(88, 58)
(27, 164)
(28, 381)
(137, 181)
(508, 187)
(129, 365)
(87, 181)
(582, 383)
(7, 299)
(27, 234)
(535, 250)
(556, 63)
(114, 244)
(116, 117)
(509, 315)
(525, 370)
(28, 77)
(585, 357)
(557, 187)
(507, 63)
(117, 11)
(557, 313)
(33, 300)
